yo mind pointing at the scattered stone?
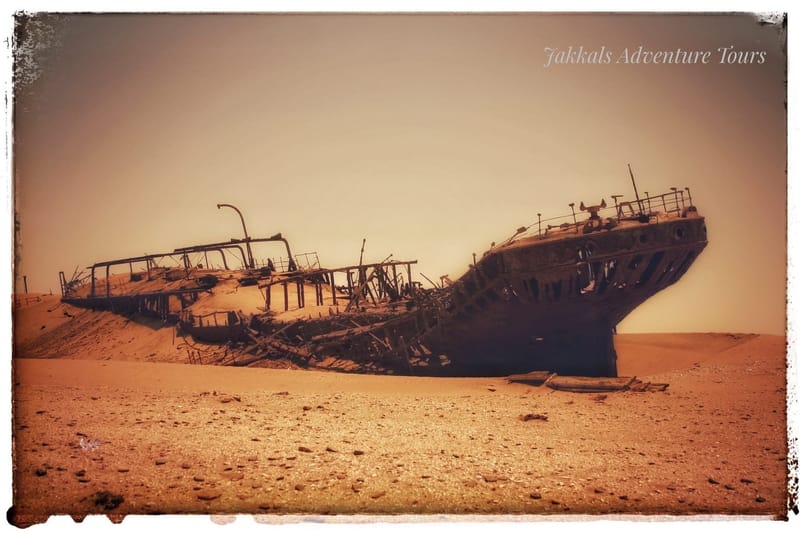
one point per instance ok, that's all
(252, 458)
(358, 452)
(80, 473)
(304, 449)
(555, 502)
(377, 495)
(199, 479)
(233, 476)
(208, 495)
(264, 506)
(255, 486)
(299, 486)
(40, 472)
(307, 408)
(186, 466)
(341, 476)
(536, 496)
(470, 483)
(491, 389)
(531, 416)
(489, 478)
(598, 490)
(760, 499)
(357, 486)
(729, 487)
(713, 481)
(623, 497)
(745, 480)
(160, 462)
(108, 500)
(329, 449)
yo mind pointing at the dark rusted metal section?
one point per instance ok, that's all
(155, 304)
(376, 284)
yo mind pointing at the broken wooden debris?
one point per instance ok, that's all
(586, 384)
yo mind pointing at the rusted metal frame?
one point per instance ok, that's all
(300, 279)
(221, 247)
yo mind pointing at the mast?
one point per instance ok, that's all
(635, 191)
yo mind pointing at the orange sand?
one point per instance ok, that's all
(101, 430)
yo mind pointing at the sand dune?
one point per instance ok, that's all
(99, 429)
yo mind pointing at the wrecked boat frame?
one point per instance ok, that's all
(547, 298)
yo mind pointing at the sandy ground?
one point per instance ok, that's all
(100, 430)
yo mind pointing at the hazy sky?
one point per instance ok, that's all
(429, 135)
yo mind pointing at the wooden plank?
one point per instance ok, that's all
(589, 384)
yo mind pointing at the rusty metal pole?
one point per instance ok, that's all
(574, 218)
(25, 282)
(246, 236)
(540, 224)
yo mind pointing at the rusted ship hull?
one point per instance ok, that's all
(554, 306)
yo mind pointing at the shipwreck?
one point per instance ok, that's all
(546, 299)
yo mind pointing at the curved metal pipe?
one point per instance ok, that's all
(244, 227)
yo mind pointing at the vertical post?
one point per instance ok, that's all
(108, 281)
(675, 190)
(410, 285)
(574, 218)
(25, 282)
(540, 224)
(649, 208)
(285, 295)
(93, 280)
(636, 192)
(690, 195)
(333, 288)
(299, 294)
(268, 296)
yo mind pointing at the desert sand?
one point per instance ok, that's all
(108, 418)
